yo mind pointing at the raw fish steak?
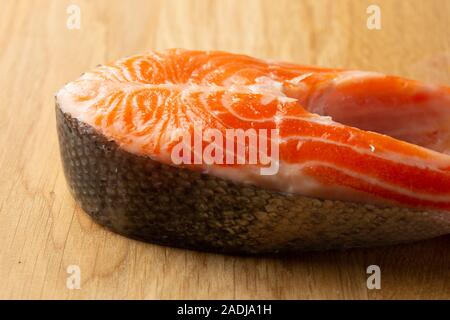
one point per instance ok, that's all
(224, 152)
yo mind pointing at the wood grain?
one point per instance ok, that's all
(42, 230)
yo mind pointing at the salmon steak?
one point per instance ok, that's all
(228, 153)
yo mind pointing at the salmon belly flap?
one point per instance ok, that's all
(274, 145)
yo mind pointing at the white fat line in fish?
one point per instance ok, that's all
(126, 72)
(111, 104)
(116, 72)
(350, 76)
(373, 181)
(136, 66)
(235, 79)
(312, 118)
(138, 121)
(156, 124)
(155, 64)
(431, 164)
(298, 80)
(157, 56)
(211, 71)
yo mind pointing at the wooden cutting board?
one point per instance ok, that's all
(43, 232)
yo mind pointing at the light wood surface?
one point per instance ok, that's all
(43, 231)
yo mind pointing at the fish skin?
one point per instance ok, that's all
(150, 201)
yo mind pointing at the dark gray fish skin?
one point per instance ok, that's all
(140, 198)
